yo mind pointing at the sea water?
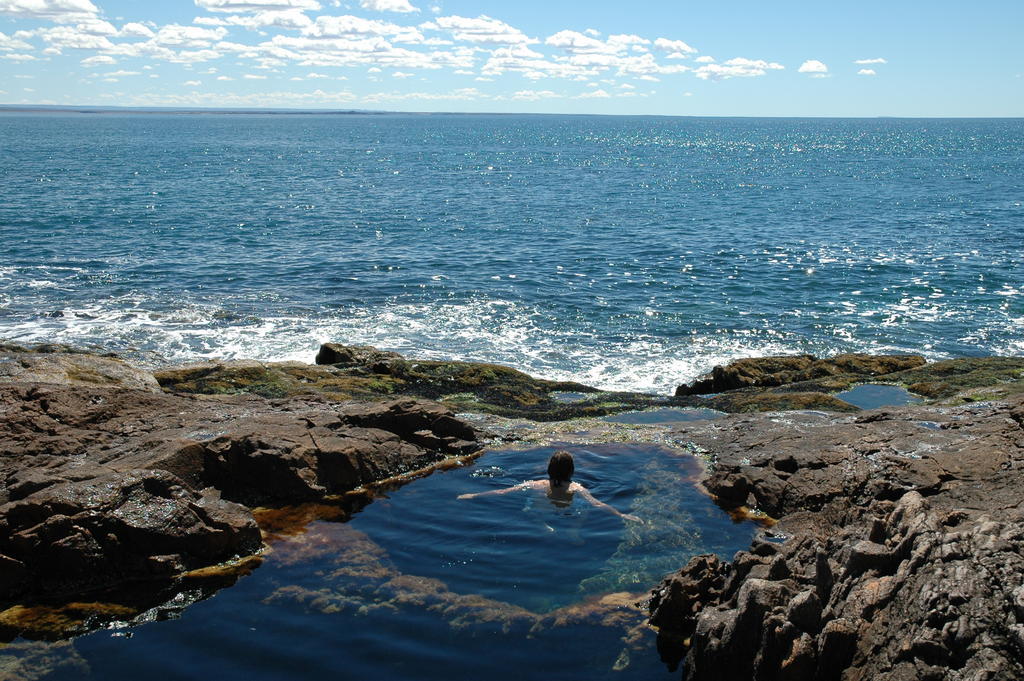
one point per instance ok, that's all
(625, 252)
(423, 585)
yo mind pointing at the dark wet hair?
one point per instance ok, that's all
(560, 467)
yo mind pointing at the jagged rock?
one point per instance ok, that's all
(100, 486)
(99, 532)
(354, 355)
(62, 365)
(904, 558)
(764, 372)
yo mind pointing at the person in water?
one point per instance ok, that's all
(559, 487)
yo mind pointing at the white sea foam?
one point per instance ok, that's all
(492, 330)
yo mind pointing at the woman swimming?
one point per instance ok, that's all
(559, 486)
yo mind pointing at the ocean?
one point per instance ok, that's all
(629, 253)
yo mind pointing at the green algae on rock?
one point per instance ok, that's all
(365, 373)
(838, 372)
(804, 382)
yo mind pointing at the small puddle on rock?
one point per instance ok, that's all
(875, 395)
(421, 584)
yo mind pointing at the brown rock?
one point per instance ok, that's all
(62, 366)
(95, 533)
(100, 486)
(764, 372)
(905, 549)
(354, 355)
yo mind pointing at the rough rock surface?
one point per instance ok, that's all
(63, 365)
(762, 372)
(784, 383)
(363, 372)
(99, 486)
(904, 555)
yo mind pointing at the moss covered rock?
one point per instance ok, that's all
(840, 371)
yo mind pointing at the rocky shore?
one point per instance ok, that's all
(895, 542)
(898, 551)
(108, 481)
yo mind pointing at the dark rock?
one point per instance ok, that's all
(354, 355)
(63, 365)
(100, 486)
(930, 594)
(764, 372)
(867, 555)
(95, 533)
(804, 612)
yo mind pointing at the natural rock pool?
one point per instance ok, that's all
(875, 395)
(420, 584)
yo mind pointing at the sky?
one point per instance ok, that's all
(662, 57)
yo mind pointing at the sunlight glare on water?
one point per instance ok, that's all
(625, 252)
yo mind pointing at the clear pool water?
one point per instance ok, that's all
(875, 395)
(421, 585)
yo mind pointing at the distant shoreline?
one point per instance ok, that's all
(271, 111)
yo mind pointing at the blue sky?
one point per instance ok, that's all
(746, 58)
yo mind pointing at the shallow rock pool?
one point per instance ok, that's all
(422, 585)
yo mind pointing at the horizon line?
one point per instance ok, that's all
(94, 108)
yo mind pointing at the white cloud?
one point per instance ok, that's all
(348, 26)
(8, 43)
(677, 49)
(122, 73)
(317, 75)
(387, 5)
(18, 57)
(252, 76)
(136, 30)
(705, 60)
(188, 36)
(73, 38)
(577, 43)
(97, 60)
(876, 60)
(866, 72)
(402, 74)
(287, 19)
(814, 67)
(594, 94)
(256, 5)
(60, 11)
(224, 78)
(483, 29)
(193, 83)
(96, 27)
(593, 32)
(738, 67)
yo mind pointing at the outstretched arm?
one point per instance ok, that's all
(506, 490)
(594, 501)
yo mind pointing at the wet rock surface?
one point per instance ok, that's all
(764, 372)
(63, 365)
(105, 486)
(797, 382)
(903, 557)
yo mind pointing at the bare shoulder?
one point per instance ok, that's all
(577, 487)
